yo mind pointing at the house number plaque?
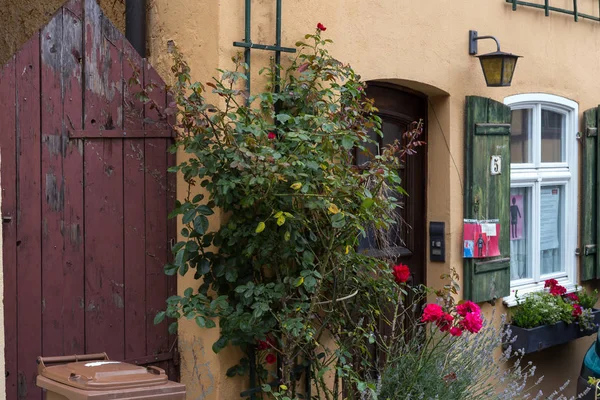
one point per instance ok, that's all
(496, 165)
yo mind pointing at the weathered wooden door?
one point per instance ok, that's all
(85, 198)
(405, 242)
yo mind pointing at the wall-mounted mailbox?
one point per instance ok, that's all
(437, 242)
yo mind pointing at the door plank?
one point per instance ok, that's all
(8, 181)
(103, 198)
(134, 206)
(103, 70)
(29, 274)
(52, 153)
(156, 218)
(73, 224)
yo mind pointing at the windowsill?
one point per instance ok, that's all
(511, 301)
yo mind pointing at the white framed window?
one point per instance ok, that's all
(543, 192)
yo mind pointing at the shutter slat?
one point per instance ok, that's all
(589, 197)
(487, 134)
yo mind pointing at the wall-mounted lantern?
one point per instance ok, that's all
(498, 67)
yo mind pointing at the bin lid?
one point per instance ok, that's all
(104, 375)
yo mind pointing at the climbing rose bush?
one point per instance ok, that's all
(280, 271)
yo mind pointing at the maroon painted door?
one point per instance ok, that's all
(85, 198)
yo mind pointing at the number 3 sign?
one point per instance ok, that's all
(496, 165)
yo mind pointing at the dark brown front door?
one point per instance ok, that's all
(399, 109)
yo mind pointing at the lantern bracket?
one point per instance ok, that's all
(473, 38)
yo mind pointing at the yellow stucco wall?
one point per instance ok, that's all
(417, 44)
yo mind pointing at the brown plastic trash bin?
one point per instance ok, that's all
(94, 376)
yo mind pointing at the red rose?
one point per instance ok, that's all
(550, 283)
(558, 290)
(576, 310)
(432, 313)
(270, 359)
(472, 322)
(445, 322)
(262, 345)
(271, 136)
(401, 273)
(467, 307)
(456, 331)
(321, 27)
(573, 297)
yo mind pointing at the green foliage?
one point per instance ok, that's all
(278, 166)
(587, 300)
(542, 308)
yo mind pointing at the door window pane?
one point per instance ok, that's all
(553, 126)
(520, 136)
(551, 206)
(520, 233)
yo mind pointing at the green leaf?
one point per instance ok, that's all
(203, 266)
(188, 292)
(159, 317)
(219, 344)
(299, 281)
(347, 142)
(173, 328)
(210, 323)
(189, 216)
(283, 118)
(231, 275)
(180, 258)
(201, 321)
(201, 224)
(205, 210)
(266, 388)
(260, 227)
(367, 203)
(310, 283)
(170, 269)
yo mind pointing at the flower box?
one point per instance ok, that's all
(542, 337)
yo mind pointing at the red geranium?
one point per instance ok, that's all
(467, 307)
(456, 331)
(321, 27)
(432, 313)
(270, 358)
(472, 322)
(577, 310)
(271, 136)
(573, 297)
(557, 290)
(401, 273)
(445, 322)
(550, 283)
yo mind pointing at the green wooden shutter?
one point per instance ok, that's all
(590, 262)
(487, 134)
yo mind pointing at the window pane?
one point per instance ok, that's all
(551, 210)
(553, 127)
(520, 134)
(520, 233)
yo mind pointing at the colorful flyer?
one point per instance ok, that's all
(480, 238)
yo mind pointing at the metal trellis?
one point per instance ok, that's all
(547, 8)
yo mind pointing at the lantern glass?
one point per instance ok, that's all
(498, 68)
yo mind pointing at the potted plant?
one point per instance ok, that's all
(552, 317)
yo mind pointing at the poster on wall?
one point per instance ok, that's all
(516, 217)
(480, 238)
(549, 221)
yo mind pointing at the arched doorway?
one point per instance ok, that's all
(399, 108)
